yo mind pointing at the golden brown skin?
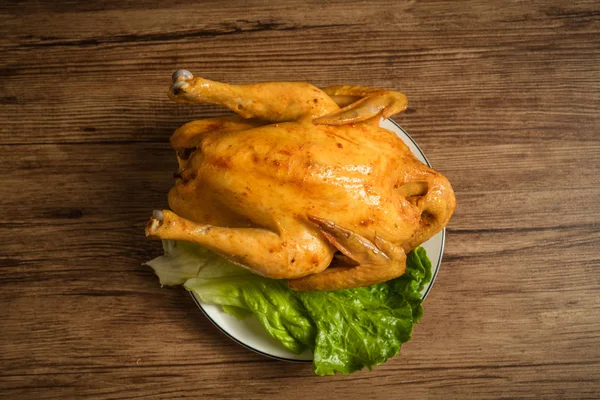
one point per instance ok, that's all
(298, 180)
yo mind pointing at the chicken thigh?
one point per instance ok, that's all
(302, 185)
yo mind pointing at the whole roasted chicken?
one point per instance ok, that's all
(303, 185)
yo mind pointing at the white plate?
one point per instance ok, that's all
(250, 333)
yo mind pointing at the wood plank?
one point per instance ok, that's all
(503, 98)
(510, 68)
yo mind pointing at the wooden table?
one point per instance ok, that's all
(504, 99)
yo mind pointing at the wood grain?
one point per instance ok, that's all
(503, 98)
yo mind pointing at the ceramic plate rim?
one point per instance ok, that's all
(276, 357)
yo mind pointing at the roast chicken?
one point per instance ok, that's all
(302, 184)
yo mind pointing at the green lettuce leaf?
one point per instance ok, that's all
(277, 308)
(347, 330)
(364, 327)
(183, 261)
(215, 280)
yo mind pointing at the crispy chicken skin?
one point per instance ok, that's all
(303, 185)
